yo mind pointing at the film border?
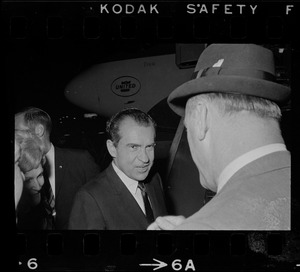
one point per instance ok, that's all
(126, 250)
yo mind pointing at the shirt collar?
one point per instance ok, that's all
(131, 184)
(50, 153)
(50, 157)
(245, 159)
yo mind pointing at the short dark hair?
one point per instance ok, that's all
(34, 116)
(113, 124)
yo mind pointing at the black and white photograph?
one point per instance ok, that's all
(126, 121)
(80, 122)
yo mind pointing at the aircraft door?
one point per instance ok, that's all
(184, 193)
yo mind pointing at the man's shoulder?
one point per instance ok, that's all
(73, 155)
(71, 151)
(99, 183)
(195, 222)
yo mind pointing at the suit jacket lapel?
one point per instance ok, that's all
(59, 170)
(127, 201)
(153, 197)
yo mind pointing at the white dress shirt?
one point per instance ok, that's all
(51, 165)
(245, 159)
(132, 186)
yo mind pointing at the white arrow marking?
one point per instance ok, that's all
(159, 265)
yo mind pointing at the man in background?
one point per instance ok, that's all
(28, 158)
(65, 170)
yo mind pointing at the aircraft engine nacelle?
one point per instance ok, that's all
(109, 87)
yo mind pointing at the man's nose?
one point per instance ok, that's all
(40, 182)
(144, 156)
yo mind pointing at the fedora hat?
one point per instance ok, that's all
(247, 69)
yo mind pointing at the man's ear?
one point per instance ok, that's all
(39, 130)
(111, 148)
(201, 120)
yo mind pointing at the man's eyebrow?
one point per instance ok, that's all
(153, 144)
(129, 144)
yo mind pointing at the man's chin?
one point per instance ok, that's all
(140, 176)
(208, 186)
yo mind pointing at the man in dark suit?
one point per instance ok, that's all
(126, 196)
(28, 166)
(65, 170)
(231, 114)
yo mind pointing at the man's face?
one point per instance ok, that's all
(196, 147)
(19, 179)
(134, 154)
(20, 123)
(34, 181)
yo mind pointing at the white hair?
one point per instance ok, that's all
(229, 104)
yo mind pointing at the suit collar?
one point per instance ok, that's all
(130, 184)
(268, 163)
(245, 159)
(125, 197)
(59, 169)
(116, 181)
(50, 167)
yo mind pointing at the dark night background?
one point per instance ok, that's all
(47, 47)
(38, 70)
(48, 44)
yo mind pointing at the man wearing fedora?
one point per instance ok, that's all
(232, 116)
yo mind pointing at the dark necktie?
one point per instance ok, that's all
(148, 209)
(48, 201)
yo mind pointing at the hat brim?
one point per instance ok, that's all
(227, 84)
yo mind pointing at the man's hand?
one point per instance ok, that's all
(168, 222)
